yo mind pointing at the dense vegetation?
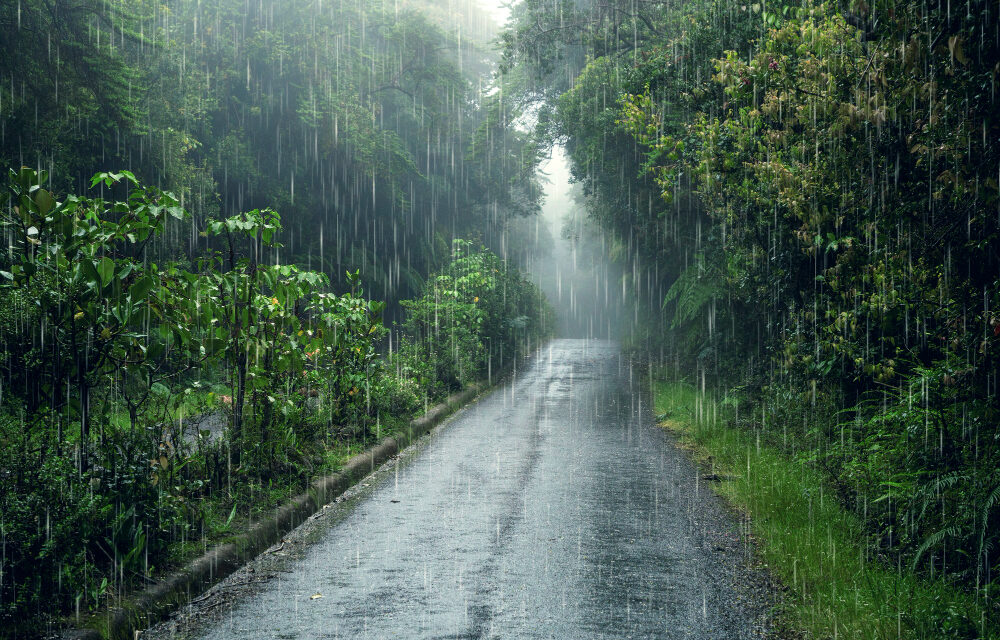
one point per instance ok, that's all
(370, 124)
(475, 316)
(108, 356)
(186, 342)
(807, 196)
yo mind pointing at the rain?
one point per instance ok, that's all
(499, 319)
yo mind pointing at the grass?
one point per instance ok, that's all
(809, 542)
(220, 520)
(262, 498)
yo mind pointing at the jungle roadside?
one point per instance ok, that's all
(109, 357)
(804, 199)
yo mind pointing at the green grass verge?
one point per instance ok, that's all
(222, 519)
(809, 542)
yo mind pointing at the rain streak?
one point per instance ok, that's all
(485, 319)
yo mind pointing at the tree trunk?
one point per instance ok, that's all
(84, 422)
(241, 387)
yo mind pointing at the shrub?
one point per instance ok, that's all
(474, 317)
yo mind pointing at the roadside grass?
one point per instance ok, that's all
(228, 511)
(221, 515)
(809, 542)
(226, 514)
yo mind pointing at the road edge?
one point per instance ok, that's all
(145, 607)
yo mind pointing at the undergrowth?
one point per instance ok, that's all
(837, 587)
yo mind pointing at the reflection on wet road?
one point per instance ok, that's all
(552, 508)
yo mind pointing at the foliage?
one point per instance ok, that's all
(815, 546)
(106, 354)
(95, 331)
(475, 317)
(72, 81)
(360, 121)
(814, 199)
(275, 326)
(81, 265)
(797, 113)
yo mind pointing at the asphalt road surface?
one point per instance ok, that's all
(551, 508)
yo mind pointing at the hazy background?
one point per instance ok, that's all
(569, 263)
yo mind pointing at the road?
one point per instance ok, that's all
(551, 508)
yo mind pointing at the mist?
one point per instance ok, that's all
(570, 262)
(540, 319)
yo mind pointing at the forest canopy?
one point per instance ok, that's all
(371, 123)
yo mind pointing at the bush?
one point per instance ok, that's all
(474, 317)
(395, 396)
(916, 462)
(73, 538)
(102, 351)
(46, 522)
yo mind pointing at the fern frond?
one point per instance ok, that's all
(933, 540)
(984, 517)
(695, 288)
(928, 494)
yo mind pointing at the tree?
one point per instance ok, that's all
(79, 268)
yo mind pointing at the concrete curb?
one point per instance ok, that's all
(146, 607)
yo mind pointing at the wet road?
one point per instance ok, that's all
(551, 508)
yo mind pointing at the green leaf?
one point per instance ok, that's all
(140, 289)
(155, 351)
(106, 270)
(89, 272)
(45, 201)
